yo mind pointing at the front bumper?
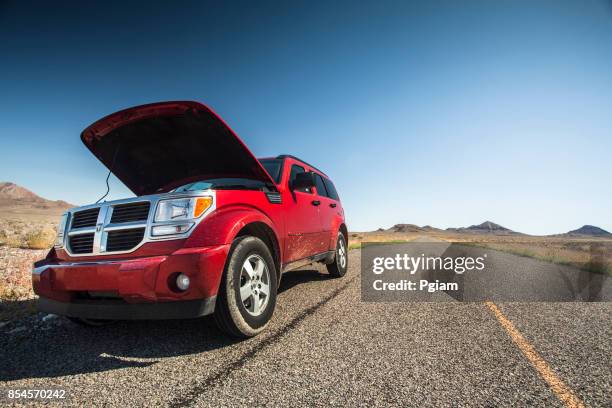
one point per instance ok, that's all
(119, 310)
(139, 288)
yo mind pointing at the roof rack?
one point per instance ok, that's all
(289, 156)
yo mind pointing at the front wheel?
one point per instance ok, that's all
(338, 268)
(247, 295)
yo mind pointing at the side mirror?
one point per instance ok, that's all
(303, 181)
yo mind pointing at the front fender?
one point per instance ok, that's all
(222, 226)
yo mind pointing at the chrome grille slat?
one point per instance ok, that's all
(124, 240)
(86, 218)
(131, 212)
(82, 244)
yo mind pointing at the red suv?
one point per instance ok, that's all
(211, 230)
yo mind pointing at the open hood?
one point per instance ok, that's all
(159, 146)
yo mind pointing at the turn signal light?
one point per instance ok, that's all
(201, 205)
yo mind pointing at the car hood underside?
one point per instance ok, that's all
(156, 147)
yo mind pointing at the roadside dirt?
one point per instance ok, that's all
(16, 295)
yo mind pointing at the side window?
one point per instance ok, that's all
(295, 170)
(331, 190)
(321, 190)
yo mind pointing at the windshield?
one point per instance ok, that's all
(221, 184)
(274, 168)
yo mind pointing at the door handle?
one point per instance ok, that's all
(333, 205)
(316, 202)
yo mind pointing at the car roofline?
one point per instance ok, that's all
(288, 156)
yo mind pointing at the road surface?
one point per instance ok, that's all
(326, 347)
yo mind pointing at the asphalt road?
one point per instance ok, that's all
(327, 347)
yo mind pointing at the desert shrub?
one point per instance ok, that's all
(10, 292)
(41, 238)
(13, 241)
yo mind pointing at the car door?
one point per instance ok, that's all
(327, 210)
(303, 226)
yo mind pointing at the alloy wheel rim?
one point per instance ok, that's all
(341, 254)
(254, 285)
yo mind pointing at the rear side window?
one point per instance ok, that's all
(331, 190)
(295, 170)
(321, 190)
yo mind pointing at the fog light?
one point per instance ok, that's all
(182, 281)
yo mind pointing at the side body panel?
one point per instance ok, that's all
(331, 215)
(304, 232)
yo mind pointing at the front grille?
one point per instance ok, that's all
(131, 212)
(82, 244)
(124, 240)
(87, 218)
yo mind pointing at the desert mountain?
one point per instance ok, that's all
(411, 228)
(485, 227)
(489, 226)
(20, 203)
(590, 230)
(13, 193)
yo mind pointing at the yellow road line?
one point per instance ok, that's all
(562, 391)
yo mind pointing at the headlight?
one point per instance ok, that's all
(61, 229)
(182, 209)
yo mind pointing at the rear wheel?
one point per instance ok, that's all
(338, 268)
(247, 295)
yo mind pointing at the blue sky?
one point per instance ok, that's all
(441, 113)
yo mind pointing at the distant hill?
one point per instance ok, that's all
(590, 230)
(485, 227)
(17, 202)
(489, 227)
(411, 228)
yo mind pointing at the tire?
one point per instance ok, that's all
(243, 308)
(338, 267)
(90, 322)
